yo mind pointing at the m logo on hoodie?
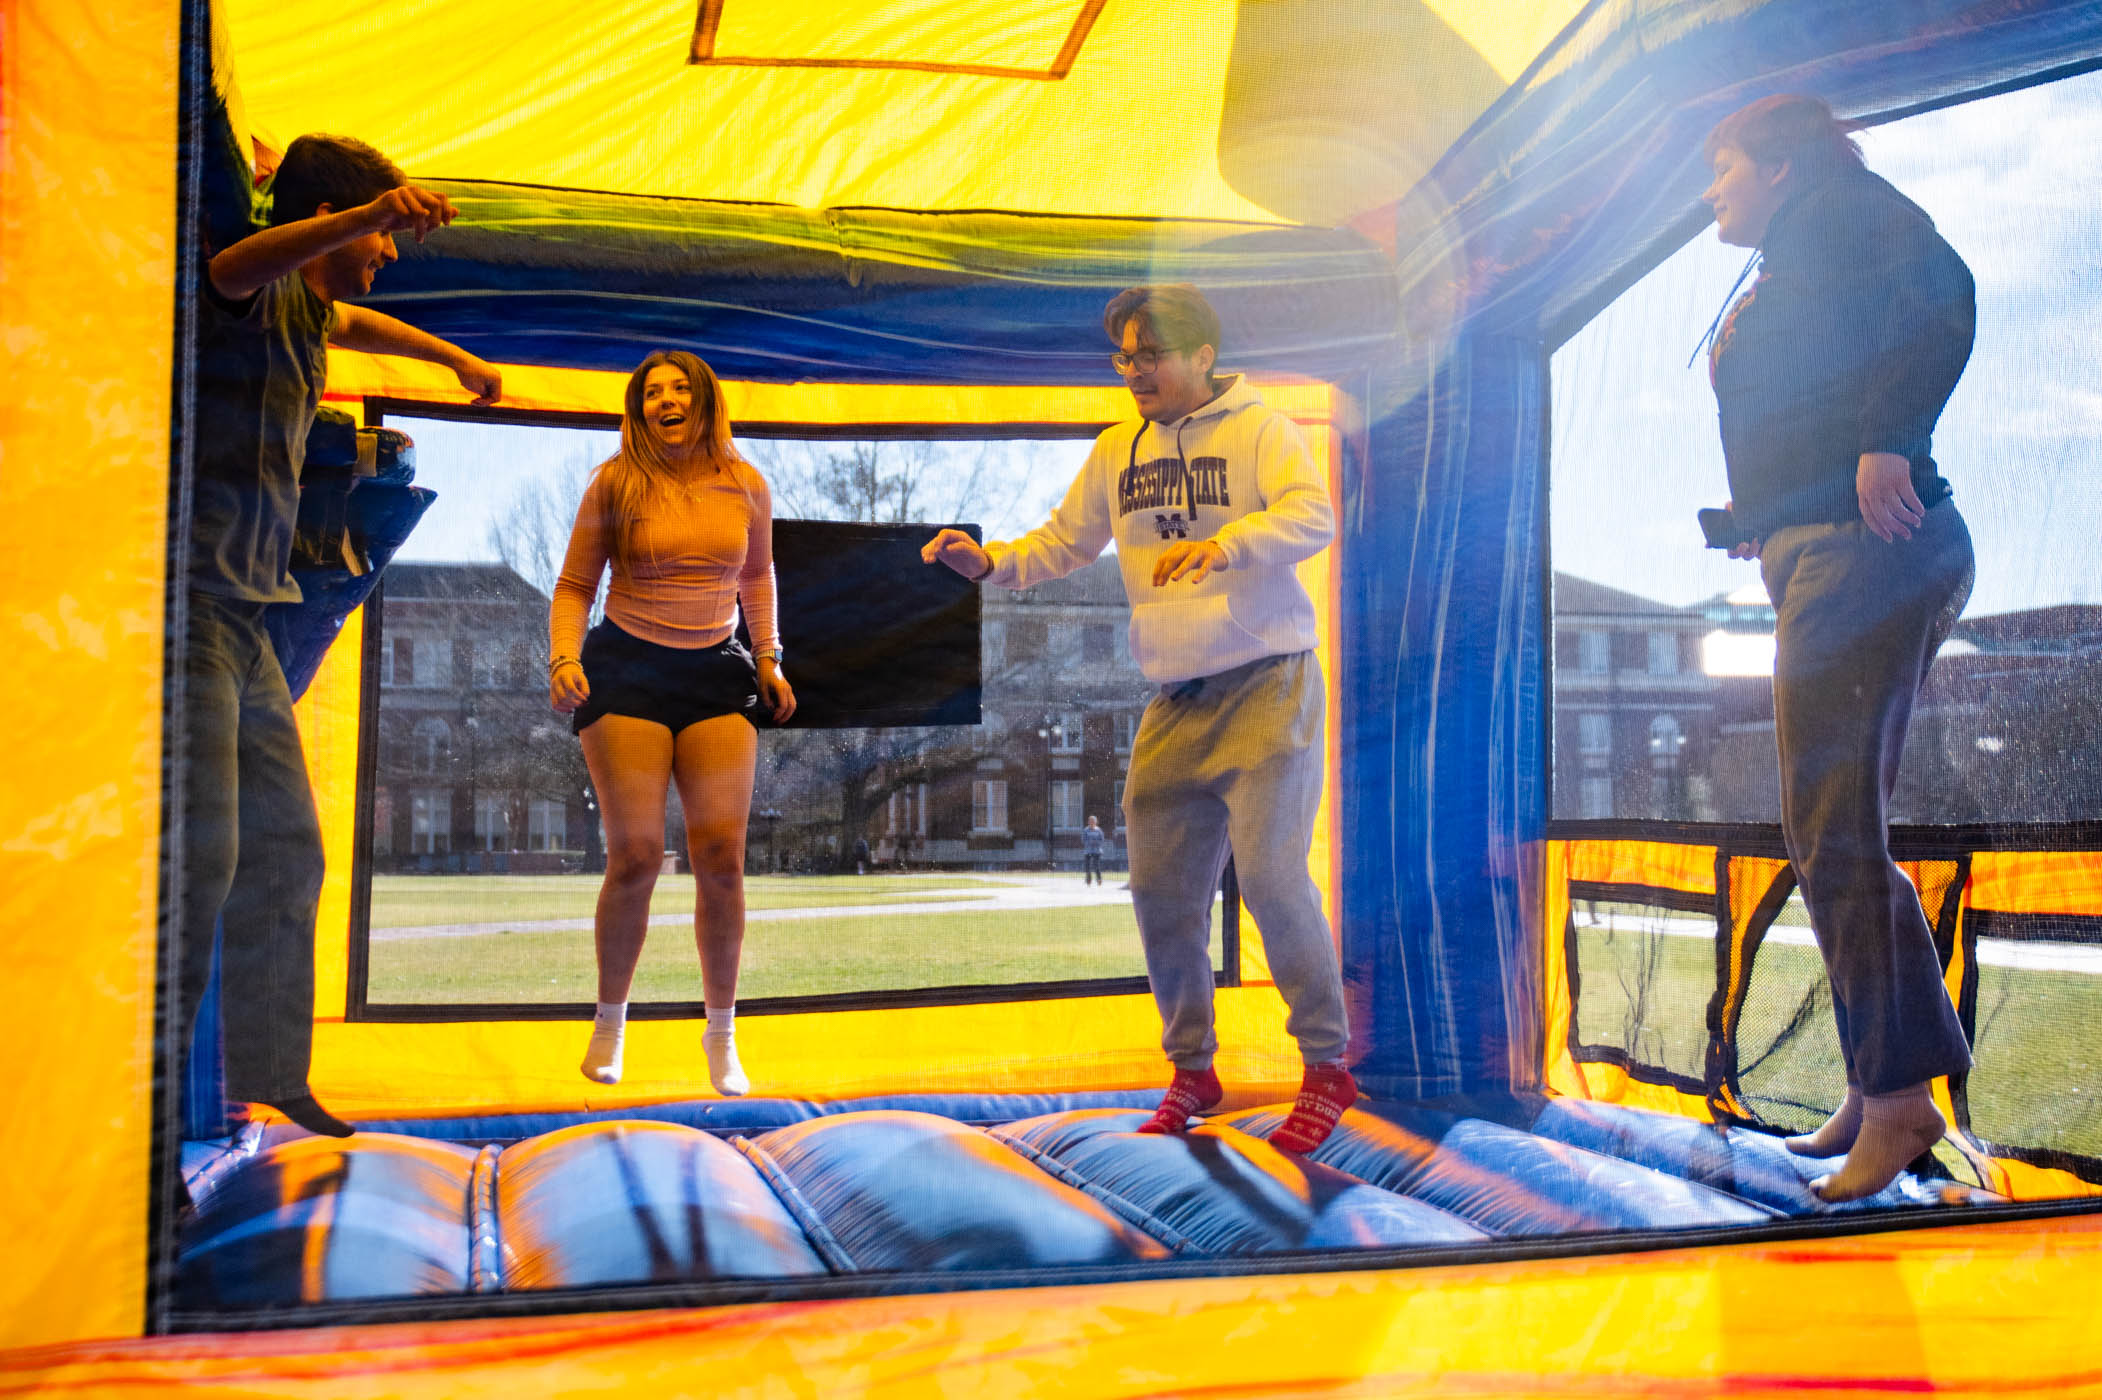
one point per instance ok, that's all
(1171, 526)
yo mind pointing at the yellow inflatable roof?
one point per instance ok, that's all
(1297, 111)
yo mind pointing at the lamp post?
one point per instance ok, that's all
(1053, 733)
(472, 722)
(770, 816)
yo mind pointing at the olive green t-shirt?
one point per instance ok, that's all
(261, 364)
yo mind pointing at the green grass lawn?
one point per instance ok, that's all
(409, 901)
(789, 957)
(2038, 1080)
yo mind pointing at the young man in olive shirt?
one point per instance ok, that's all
(252, 861)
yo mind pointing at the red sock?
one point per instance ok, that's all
(1326, 1091)
(1192, 1091)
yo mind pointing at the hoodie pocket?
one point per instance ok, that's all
(1191, 637)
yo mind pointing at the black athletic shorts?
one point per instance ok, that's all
(671, 686)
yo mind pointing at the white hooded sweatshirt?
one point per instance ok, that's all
(1234, 472)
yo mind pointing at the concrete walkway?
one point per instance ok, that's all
(2038, 956)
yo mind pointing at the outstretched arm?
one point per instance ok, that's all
(244, 268)
(362, 328)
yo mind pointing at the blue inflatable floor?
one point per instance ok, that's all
(786, 1190)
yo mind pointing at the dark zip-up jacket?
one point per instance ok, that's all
(1851, 341)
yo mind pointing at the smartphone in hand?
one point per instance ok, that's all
(1721, 529)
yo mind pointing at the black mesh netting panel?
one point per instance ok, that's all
(921, 831)
(1789, 1071)
(2036, 1084)
(1645, 972)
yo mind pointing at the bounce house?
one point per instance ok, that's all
(1579, 1029)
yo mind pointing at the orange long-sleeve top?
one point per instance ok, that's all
(697, 555)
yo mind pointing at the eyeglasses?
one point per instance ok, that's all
(1145, 361)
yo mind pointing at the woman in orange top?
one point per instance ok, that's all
(661, 691)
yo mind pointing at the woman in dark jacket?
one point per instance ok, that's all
(1829, 376)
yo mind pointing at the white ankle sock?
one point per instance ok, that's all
(725, 1072)
(608, 1032)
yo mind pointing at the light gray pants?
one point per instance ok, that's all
(1857, 623)
(1233, 762)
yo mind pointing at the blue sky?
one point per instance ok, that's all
(2013, 184)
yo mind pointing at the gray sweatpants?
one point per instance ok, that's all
(1857, 623)
(1232, 761)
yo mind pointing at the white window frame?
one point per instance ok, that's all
(547, 825)
(492, 820)
(1594, 652)
(1594, 733)
(989, 807)
(1069, 733)
(1068, 804)
(1664, 653)
(431, 666)
(430, 744)
(430, 821)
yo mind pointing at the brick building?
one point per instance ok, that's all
(473, 771)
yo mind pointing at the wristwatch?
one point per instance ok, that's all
(774, 656)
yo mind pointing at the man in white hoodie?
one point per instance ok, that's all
(1212, 499)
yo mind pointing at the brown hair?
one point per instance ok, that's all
(1793, 128)
(334, 170)
(1176, 312)
(645, 467)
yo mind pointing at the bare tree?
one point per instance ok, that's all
(532, 533)
(888, 482)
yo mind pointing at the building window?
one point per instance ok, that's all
(1067, 804)
(387, 665)
(1598, 797)
(1098, 641)
(1127, 730)
(492, 821)
(432, 746)
(1594, 653)
(906, 814)
(1594, 733)
(492, 666)
(424, 662)
(1025, 640)
(430, 821)
(547, 825)
(1117, 821)
(1664, 653)
(989, 805)
(1068, 732)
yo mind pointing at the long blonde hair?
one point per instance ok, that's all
(644, 467)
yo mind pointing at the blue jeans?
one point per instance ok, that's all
(251, 846)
